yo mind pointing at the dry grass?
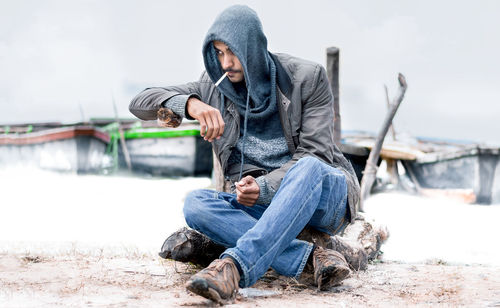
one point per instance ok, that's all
(137, 279)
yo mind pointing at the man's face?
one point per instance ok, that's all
(229, 62)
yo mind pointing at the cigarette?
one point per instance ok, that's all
(220, 79)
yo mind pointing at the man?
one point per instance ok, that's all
(270, 122)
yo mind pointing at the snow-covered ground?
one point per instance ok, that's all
(423, 229)
(52, 213)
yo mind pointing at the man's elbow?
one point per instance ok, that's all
(138, 107)
(132, 107)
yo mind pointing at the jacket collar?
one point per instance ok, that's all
(282, 77)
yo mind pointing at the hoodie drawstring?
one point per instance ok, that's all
(244, 136)
(222, 106)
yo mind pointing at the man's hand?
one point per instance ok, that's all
(211, 122)
(247, 191)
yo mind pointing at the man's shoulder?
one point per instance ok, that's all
(304, 75)
(298, 68)
(204, 77)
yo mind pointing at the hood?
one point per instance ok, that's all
(241, 30)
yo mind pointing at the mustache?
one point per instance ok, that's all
(232, 71)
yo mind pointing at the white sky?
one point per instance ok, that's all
(56, 56)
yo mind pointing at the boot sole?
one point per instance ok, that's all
(200, 287)
(332, 276)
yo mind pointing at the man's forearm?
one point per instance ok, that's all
(146, 104)
(178, 105)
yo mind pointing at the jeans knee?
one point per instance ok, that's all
(193, 206)
(310, 162)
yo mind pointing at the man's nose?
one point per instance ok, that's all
(227, 62)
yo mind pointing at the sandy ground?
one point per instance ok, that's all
(91, 241)
(145, 281)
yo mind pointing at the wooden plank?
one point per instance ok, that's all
(394, 150)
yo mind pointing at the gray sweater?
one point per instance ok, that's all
(265, 144)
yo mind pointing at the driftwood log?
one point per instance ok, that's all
(388, 102)
(360, 243)
(371, 164)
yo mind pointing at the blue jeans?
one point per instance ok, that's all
(262, 236)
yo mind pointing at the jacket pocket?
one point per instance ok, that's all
(248, 169)
(295, 139)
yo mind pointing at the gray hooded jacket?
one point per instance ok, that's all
(305, 105)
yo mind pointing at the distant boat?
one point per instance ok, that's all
(94, 147)
(51, 146)
(461, 169)
(162, 151)
(464, 170)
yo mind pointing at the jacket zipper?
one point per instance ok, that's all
(230, 108)
(285, 123)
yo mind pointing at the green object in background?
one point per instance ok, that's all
(111, 127)
(6, 129)
(112, 148)
(138, 132)
(133, 134)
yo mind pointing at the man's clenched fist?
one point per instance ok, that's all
(247, 191)
(211, 122)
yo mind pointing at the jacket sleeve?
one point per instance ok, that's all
(145, 105)
(315, 136)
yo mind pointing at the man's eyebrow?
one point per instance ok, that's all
(227, 49)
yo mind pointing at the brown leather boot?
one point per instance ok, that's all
(217, 282)
(188, 245)
(330, 268)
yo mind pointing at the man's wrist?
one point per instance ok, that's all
(266, 194)
(190, 99)
(178, 104)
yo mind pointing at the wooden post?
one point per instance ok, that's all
(332, 70)
(371, 164)
(122, 138)
(392, 164)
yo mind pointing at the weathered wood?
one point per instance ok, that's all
(392, 166)
(392, 170)
(367, 234)
(388, 101)
(371, 164)
(360, 243)
(332, 71)
(355, 255)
